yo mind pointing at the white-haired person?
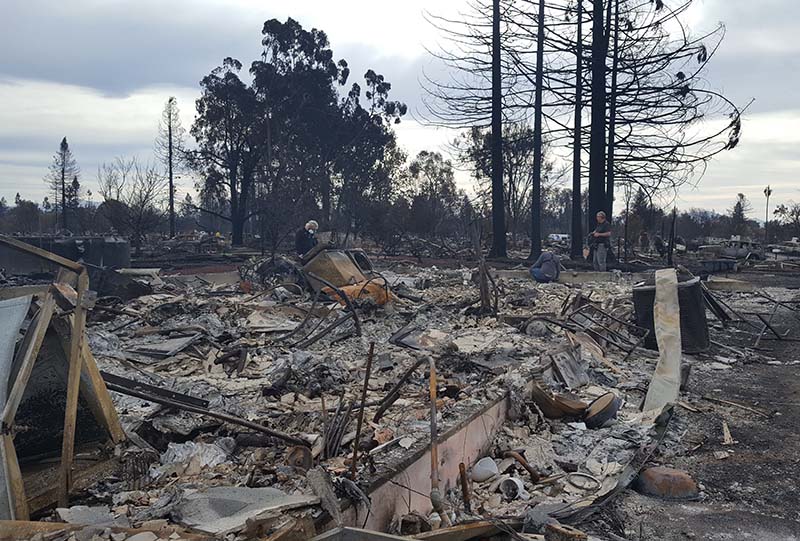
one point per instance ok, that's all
(601, 236)
(305, 238)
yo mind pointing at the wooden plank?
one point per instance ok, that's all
(73, 389)
(15, 484)
(736, 405)
(40, 253)
(26, 356)
(295, 529)
(18, 530)
(470, 530)
(727, 439)
(21, 291)
(42, 487)
(109, 415)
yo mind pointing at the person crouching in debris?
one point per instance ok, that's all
(305, 240)
(602, 242)
(547, 268)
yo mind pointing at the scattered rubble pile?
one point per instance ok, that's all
(246, 404)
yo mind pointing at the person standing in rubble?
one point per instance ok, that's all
(601, 236)
(644, 241)
(547, 268)
(305, 238)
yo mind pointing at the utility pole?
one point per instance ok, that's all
(498, 205)
(767, 193)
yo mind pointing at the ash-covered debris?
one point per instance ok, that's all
(241, 387)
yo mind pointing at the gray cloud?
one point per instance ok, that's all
(120, 47)
(123, 49)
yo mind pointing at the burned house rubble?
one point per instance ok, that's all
(340, 394)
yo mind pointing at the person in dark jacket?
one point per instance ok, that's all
(305, 240)
(601, 236)
(547, 268)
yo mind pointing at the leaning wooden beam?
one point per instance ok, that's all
(21, 291)
(43, 254)
(109, 413)
(15, 483)
(92, 386)
(73, 389)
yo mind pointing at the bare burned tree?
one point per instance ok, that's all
(169, 148)
(658, 95)
(576, 233)
(499, 248)
(479, 89)
(536, 188)
(133, 197)
(646, 92)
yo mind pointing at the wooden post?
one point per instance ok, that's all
(16, 485)
(486, 302)
(354, 468)
(73, 389)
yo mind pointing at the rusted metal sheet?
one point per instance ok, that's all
(335, 267)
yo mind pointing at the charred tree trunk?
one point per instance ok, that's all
(237, 231)
(63, 191)
(612, 112)
(576, 248)
(498, 207)
(536, 189)
(597, 144)
(326, 202)
(171, 181)
(237, 209)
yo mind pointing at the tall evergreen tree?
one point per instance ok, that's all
(739, 213)
(63, 171)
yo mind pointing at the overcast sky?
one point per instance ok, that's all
(99, 72)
